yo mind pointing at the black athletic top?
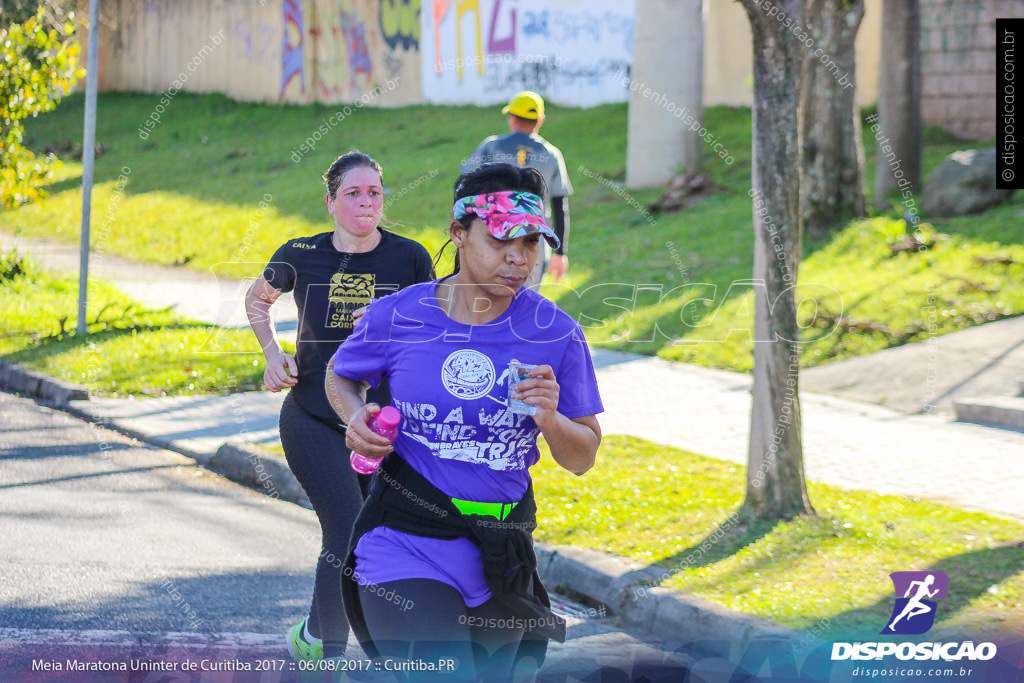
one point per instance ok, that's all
(329, 285)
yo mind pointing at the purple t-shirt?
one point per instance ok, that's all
(450, 382)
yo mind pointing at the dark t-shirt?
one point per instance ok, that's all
(329, 285)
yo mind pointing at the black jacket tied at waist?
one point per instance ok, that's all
(404, 500)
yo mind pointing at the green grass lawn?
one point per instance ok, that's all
(192, 194)
(129, 351)
(674, 509)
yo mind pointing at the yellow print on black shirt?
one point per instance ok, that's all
(348, 292)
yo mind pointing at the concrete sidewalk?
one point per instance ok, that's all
(929, 376)
(846, 443)
(198, 295)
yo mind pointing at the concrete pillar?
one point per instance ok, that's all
(666, 91)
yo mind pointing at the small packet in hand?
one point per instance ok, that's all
(517, 372)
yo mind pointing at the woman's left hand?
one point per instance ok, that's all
(541, 390)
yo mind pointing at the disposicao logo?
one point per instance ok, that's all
(914, 612)
(917, 597)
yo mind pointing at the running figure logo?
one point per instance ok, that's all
(914, 612)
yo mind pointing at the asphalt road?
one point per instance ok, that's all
(113, 551)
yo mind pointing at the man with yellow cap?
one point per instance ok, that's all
(524, 147)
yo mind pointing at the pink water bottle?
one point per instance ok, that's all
(384, 423)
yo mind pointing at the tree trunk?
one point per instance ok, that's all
(833, 154)
(899, 100)
(775, 474)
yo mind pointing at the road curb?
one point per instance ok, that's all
(21, 380)
(1006, 412)
(262, 471)
(629, 591)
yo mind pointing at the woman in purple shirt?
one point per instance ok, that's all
(442, 565)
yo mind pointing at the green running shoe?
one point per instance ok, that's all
(302, 651)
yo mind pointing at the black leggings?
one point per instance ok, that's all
(318, 456)
(424, 621)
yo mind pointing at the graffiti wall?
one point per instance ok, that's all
(459, 51)
(483, 51)
(355, 48)
(300, 51)
(231, 47)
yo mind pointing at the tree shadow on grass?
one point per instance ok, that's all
(971, 574)
(64, 351)
(731, 536)
(72, 183)
(56, 344)
(840, 333)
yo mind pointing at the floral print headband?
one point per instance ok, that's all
(508, 215)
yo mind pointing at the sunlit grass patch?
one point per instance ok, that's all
(129, 350)
(676, 510)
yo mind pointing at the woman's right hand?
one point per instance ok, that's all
(361, 439)
(281, 372)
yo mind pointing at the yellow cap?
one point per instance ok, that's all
(526, 105)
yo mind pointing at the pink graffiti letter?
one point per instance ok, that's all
(440, 8)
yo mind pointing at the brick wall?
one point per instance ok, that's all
(958, 64)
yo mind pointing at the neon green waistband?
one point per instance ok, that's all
(469, 507)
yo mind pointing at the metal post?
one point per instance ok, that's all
(88, 157)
